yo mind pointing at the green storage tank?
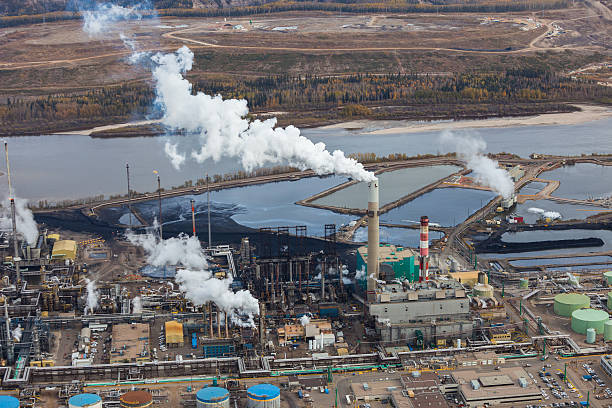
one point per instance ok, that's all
(609, 300)
(589, 318)
(524, 283)
(608, 277)
(591, 335)
(566, 303)
(608, 330)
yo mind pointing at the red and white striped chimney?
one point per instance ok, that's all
(424, 250)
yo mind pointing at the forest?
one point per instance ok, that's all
(511, 92)
(20, 15)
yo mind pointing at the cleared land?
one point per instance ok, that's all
(59, 59)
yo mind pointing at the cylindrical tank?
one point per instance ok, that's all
(6, 401)
(608, 277)
(84, 401)
(609, 304)
(608, 330)
(483, 290)
(524, 283)
(591, 335)
(263, 396)
(566, 303)
(136, 399)
(213, 397)
(585, 318)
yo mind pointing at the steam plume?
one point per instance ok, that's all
(196, 281)
(224, 130)
(544, 213)
(304, 320)
(137, 305)
(98, 19)
(181, 250)
(92, 296)
(485, 170)
(26, 226)
(360, 274)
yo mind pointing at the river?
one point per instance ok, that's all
(57, 167)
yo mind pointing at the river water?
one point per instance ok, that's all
(58, 167)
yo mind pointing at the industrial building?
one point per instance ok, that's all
(510, 385)
(65, 249)
(421, 312)
(174, 334)
(395, 263)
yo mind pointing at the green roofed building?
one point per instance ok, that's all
(395, 263)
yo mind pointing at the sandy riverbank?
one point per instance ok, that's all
(588, 113)
(88, 132)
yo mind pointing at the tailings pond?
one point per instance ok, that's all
(446, 207)
(393, 186)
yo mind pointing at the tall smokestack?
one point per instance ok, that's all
(373, 240)
(13, 215)
(193, 216)
(424, 250)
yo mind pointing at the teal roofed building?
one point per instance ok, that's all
(396, 262)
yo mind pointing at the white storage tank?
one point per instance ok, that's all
(85, 401)
(263, 396)
(6, 401)
(213, 397)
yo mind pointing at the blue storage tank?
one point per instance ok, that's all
(263, 396)
(213, 397)
(85, 401)
(6, 401)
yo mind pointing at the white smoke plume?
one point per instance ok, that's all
(536, 210)
(486, 171)
(17, 333)
(201, 287)
(224, 130)
(26, 226)
(196, 281)
(176, 158)
(181, 250)
(92, 296)
(98, 19)
(360, 274)
(137, 305)
(305, 319)
(544, 213)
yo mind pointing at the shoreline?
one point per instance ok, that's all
(588, 113)
(89, 132)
